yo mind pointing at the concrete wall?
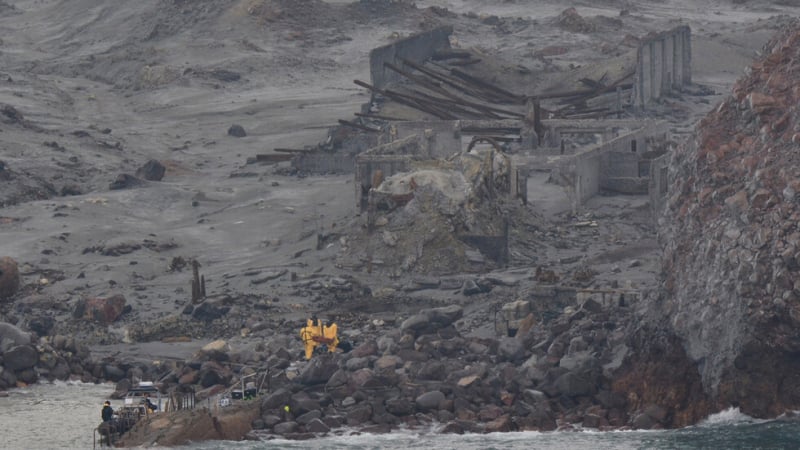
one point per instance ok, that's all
(417, 48)
(443, 137)
(621, 163)
(324, 163)
(605, 166)
(663, 64)
(555, 129)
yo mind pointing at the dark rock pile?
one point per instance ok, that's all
(424, 372)
(546, 377)
(24, 361)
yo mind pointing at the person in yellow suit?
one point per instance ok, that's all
(329, 332)
(312, 329)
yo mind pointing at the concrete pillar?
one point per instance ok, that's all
(647, 74)
(669, 62)
(528, 136)
(687, 56)
(677, 60)
(655, 62)
(642, 86)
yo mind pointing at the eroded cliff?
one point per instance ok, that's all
(732, 243)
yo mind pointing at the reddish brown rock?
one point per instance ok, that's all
(192, 425)
(104, 310)
(730, 264)
(502, 423)
(759, 102)
(9, 277)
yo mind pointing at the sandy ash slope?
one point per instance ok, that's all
(91, 90)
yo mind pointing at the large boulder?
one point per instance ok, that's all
(430, 320)
(20, 358)
(318, 370)
(236, 130)
(12, 336)
(511, 349)
(359, 414)
(124, 181)
(400, 406)
(368, 348)
(216, 351)
(104, 310)
(208, 311)
(573, 384)
(429, 400)
(152, 170)
(9, 277)
(276, 400)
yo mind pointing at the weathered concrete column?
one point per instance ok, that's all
(528, 137)
(677, 60)
(687, 55)
(666, 57)
(647, 74)
(658, 70)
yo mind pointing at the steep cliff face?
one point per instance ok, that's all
(731, 232)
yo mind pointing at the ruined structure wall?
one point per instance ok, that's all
(443, 137)
(366, 169)
(663, 64)
(389, 159)
(556, 128)
(604, 166)
(587, 174)
(417, 48)
(621, 163)
(324, 163)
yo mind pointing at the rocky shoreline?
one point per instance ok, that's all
(426, 372)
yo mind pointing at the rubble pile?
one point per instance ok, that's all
(570, 20)
(429, 215)
(732, 242)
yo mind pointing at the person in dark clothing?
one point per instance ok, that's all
(108, 412)
(148, 404)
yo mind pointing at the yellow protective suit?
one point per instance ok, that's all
(306, 335)
(329, 332)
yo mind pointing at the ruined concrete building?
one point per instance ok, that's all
(448, 136)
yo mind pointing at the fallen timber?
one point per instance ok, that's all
(358, 126)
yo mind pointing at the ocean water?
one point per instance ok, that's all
(52, 416)
(64, 415)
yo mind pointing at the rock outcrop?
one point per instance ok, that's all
(24, 361)
(184, 427)
(9, 277)
(732, 240)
